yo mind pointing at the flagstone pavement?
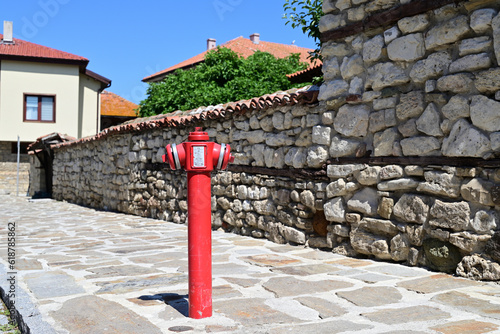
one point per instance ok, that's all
(78, 270)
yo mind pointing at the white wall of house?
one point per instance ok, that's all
(89, 106)
(76, 97)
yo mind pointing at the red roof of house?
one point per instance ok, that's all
(115, 105)
(244, 47)
(27, 51)
(31, 51)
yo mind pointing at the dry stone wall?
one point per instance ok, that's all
(426, 84)
(411, 214)
(397, 161)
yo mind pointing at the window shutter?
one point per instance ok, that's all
(47, 108)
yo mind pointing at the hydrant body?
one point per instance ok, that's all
(199, 158)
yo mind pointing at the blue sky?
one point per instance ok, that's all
(128, 40)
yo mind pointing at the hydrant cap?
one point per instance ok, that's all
(198, 135)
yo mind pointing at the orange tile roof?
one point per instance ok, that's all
(244, 47)
(115, 105)
(307, 74)
(22, 49)
(27, 51)
(305, 95)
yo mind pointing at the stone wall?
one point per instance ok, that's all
(6, 154)
(397, 160)
(8, 178)
(416, 79)
(424, 86)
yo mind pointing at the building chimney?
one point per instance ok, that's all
(7, 32)
(211, 44)
(255, 38)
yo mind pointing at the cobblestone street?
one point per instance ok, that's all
(79, 270)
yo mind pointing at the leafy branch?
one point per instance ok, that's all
(305, 14)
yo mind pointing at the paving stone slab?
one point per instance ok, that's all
(335, 326)
(125, 270)
(282, 249)
(217, 258)
(249, 242)
(224, 292)
(28, 264)
(372, 278)
(269, 260)
(372, 296)
(94, 315)
(180, 265)
(252, 311)
(350, 262)
(159, 257)
(315, 255)
(306, 270)
(177, 309)
(129, 285)
(407, 314)
(469, 304)
(64, 263)
(291, 286)
(138, 249)
(466, 326)
(437, 283)
(94, 265)
(244, 282)
(52, 284)
(87, 245)
(221, 269)
(399, 271)
(325, 308)
(348, 272)
(403, 332)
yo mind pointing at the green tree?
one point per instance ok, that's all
(224, 76)
(305, 14)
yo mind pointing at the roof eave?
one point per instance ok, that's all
(98, 77)
(160, 76)
(82, 63)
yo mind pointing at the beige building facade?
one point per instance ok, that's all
(43, 90)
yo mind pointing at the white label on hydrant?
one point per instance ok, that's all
(198, 156)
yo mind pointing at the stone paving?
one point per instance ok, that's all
(84, 271)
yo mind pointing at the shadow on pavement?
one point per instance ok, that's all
(178, 302)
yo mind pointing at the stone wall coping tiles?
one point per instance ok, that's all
(304, 95)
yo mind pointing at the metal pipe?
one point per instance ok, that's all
(18, 162)
(200, 244)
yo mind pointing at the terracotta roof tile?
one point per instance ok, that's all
(305, 95)
(244, 47)
(21, 49)
(317, 65)
(27, 51)
(115, 105)
(308, 74)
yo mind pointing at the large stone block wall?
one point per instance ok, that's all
(423, 92)
(406, 213)
(426, 85)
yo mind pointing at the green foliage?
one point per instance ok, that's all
(305, 14)
(222, 77)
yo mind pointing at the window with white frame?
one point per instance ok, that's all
(39, 108)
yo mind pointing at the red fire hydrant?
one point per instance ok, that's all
(199, 158)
